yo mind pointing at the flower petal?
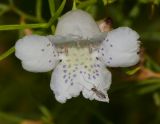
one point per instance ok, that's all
(64, 83)
(120, 48)
(96, 82)
(37, 53)
(77, 23)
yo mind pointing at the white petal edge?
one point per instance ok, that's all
(37, 53)
(120, 48)
(77, 23)
(62, 85)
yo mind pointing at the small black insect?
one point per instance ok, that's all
(99, 93)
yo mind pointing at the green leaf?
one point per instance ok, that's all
(108, 1)
(135, 11)
(156, 97)
(149, 89)
(3, 8)
(133, 71)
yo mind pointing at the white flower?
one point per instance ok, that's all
(79, 54)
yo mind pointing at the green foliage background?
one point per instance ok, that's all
(27, 96)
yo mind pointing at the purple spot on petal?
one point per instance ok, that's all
(64, 71)
(94, 77)
(64, 76)
(66, 81)
(98, 65)
(80, 72)
(74, 75)
(64, 66)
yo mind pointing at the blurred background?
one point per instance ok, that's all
(26, 98)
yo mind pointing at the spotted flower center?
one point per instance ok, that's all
(79, 61)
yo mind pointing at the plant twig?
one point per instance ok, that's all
(56, 15)
(74, 7)
(27, 16)
(39, 9)
(52, 7)
(23, 26)
(7, 53)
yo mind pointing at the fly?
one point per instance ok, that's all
(98, 93)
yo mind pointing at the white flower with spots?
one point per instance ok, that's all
(78, 53)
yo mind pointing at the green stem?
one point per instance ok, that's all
(3, 9)
(52, 7)
(39, 9)
(7, 53)
(74, 7)
(57, 14)
(27, 16)
(23, 26)
(86, 3)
